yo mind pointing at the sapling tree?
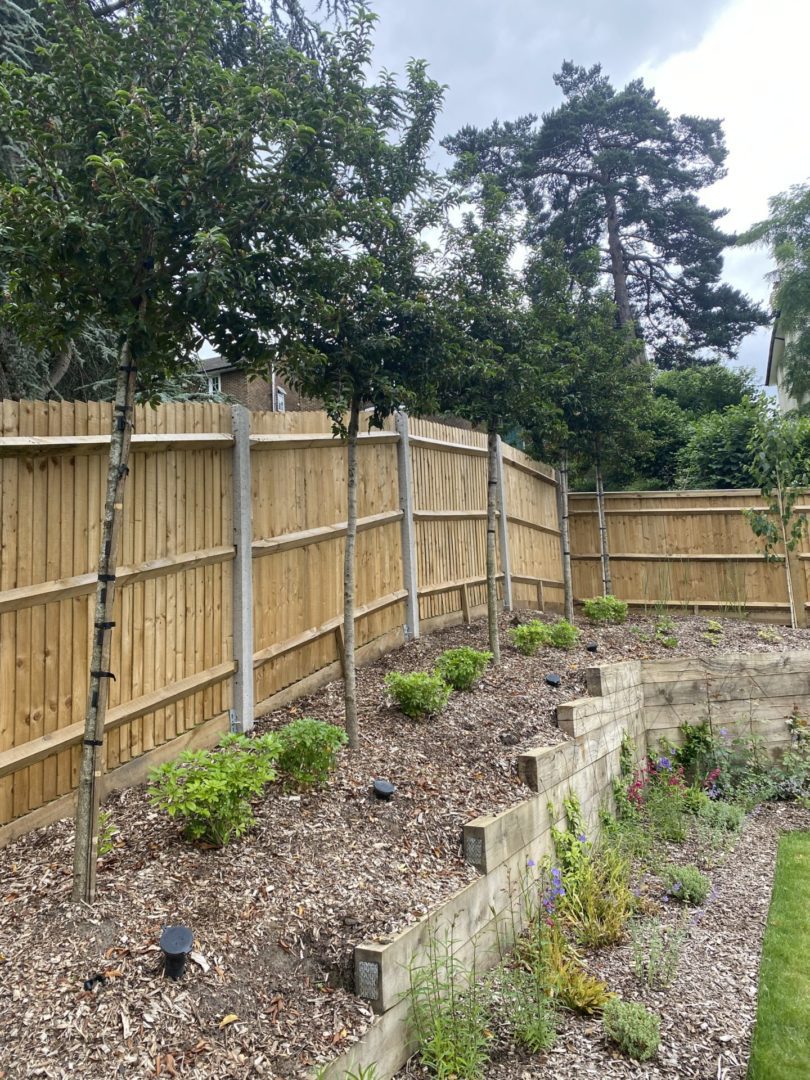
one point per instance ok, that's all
(140, 202)
(491, 366)
(780, 449)
(359, 329)
(591, 389)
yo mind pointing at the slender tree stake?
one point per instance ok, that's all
(604, 550)
(788, 576)
(565, 537)
(492, 530)
(349, 573)
(86, 843)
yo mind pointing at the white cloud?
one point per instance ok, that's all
(751, 69)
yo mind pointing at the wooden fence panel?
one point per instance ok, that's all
(172, 646)
(692, 549)
(534, 536)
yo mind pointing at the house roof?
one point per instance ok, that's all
(215, 365)
(775, 353)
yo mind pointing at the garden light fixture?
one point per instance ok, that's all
(384, 789)
(552, 679)
(176, 943)
(591, 646)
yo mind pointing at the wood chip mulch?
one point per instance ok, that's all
(276, 916)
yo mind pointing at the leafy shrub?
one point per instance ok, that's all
(656, 951)
(210, 790)
(635, 1031)
(529, 637)
(563, 635)
(686, 884)
(462, 668)
(773, 637)
(528, 1008)
(605, 609)
(308, 750)
(696, 801)
(418, 695)
(449, 1014)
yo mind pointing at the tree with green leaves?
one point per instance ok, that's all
(786, 231)
(612, 169)
(718, 451)
(359, 327)
(157, 190)
(492, 366)
(599, 393)
(780, 464)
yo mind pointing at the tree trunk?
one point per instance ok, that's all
(492, 555)
(349, 567)
(617, 267)
(60, 365)
(604, 550)
(788, 576)
(86, 842)
(565, 537)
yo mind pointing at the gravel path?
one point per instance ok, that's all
(276, 916)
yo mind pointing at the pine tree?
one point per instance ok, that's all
(614, 170)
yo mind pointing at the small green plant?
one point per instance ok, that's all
(418, 695)
(714, 632)
(462, 668)
(686, 884)
(656, 951)
(574, 987)
(722, 815)
(528, 1008)
(563, 635)
(529, 637)
(210, 790)
(107, 833)
(666, 811)
(450, 1014)
(768, 634)
(308, 750)
(664, 636)
(635, 1030)
(596, 900)
(362, 1072)
(605, 609)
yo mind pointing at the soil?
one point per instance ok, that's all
(277, 915)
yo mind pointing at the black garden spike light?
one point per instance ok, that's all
(591, 646)
(384, 789)
(176, 943)
(553, 679)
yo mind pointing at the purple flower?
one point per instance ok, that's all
(664, 763)
(530, 863)
(724, 732)
(582, 838)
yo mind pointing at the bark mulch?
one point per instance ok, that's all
(277, 915)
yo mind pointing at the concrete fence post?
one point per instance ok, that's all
(242, 710)
(409, 573)
(503, 531)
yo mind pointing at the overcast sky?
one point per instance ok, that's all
(742, 60)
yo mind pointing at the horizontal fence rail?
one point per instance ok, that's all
(229, 598)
